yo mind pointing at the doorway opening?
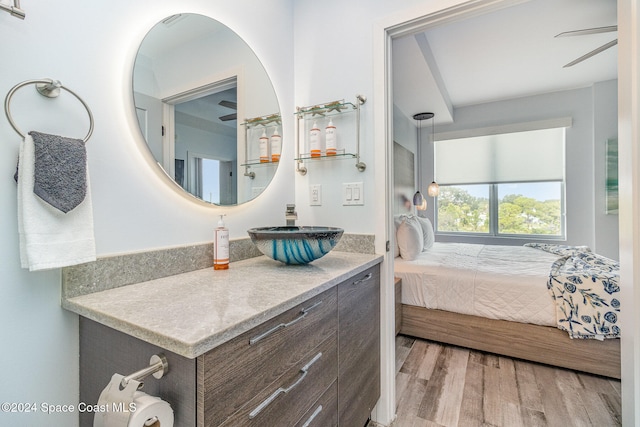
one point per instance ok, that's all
(201, 140)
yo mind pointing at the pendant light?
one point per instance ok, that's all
(433, 190)
(418, 199)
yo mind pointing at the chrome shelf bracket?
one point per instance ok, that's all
(158, 367)
(14, 10)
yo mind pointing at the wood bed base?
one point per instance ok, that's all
(536, 343)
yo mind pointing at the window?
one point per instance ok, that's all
(510, 184)
(463, 208)
(211, 179)
(522, 209)
(530, 208)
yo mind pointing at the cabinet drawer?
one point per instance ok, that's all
(359, 343)
(288, 398)
(232, 374)
(324, 412)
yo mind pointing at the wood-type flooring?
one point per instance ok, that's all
(443, 385)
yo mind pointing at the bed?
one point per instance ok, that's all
(495, 299)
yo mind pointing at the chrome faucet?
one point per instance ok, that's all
(291, 215)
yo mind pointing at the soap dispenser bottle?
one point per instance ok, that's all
(315, 142)
(264, 147)
(221, 246)
(276, 145)
(330, 139)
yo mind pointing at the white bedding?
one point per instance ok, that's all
(496, 282)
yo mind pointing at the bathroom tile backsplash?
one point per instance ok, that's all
(120, 270)
(359, 243)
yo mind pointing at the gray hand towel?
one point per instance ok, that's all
(60, 170)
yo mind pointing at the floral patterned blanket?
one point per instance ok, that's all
(585, 288)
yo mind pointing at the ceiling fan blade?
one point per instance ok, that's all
(592, 53)
(589, 31)
(229, 104)
(228, 117)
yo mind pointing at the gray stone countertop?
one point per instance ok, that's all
(191, 313)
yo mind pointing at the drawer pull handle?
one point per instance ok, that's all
(304, 371)
(303, 313)
(313, 416)
(364, 279)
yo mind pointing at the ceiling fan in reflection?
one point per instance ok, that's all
(229, 104)
(590, 31)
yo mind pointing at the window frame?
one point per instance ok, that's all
(559, 122)
(494, 218)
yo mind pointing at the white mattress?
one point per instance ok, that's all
(496, 282)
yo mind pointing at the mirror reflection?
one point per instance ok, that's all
(203, 100)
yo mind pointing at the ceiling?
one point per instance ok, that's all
(206, 112)
(503, 54)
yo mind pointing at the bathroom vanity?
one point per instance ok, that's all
(259, 344)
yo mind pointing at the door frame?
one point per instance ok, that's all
(439, 12)
(212, 84)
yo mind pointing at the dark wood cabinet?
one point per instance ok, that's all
(324, 413)
(358, 347)
(248, 369)
(315, 365)
(342, 324)
(291, 396)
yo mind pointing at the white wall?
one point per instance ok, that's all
(404, 130)
(333, 50)
(90, 47)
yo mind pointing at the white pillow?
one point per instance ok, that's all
(427, 232)
(410, 238)
(397, 220)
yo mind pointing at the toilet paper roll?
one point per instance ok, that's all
(128, 407)
(114, 403)
(150, 411)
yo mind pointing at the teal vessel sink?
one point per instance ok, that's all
(295, 244)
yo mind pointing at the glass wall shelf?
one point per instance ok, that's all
(320, 111)
(257, 162)
(257, 124)
(341, 154)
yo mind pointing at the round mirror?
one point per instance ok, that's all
(207, 109)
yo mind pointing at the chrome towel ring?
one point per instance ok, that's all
(51, 89)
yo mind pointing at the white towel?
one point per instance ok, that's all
(50, 238)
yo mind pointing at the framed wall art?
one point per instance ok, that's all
(611, 186)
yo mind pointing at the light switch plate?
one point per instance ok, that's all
(315, 195)
(352, 194)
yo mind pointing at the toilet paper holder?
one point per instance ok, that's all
(158, 367)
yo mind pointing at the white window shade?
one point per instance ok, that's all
(510, 157)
